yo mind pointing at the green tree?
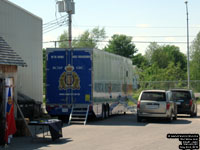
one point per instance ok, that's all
(121, 45)
(150, 50)
(166, 54)
(174, 72)
(89, 39)
(64, 40)
(164, 63)
(85, 40)
(195, 58)
(156, 74)
(139, 60)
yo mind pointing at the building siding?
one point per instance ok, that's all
(23, 32)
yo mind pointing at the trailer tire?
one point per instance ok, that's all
(103, 112)
(107, 110)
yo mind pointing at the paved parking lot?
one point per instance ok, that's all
(121, 132)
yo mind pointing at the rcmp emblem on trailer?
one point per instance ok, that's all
(69, 79)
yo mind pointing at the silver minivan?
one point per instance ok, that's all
(156, 103)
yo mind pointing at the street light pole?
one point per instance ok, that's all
(188, 53)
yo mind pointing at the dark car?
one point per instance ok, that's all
(186, 101)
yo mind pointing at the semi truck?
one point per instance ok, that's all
(86, 82)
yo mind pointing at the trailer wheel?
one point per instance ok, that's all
(107, 110)
(103, 112)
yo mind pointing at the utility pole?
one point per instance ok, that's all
(70, 30)
(68, 6)
(70, 9)
(188, 52)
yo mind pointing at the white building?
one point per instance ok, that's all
(23, 32)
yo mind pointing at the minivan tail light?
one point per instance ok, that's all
(190, 103)
(167, 106)
(138, 104)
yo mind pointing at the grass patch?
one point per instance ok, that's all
(198, 101)
(136, 94)
(131, 103)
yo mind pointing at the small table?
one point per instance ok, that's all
(53, 125)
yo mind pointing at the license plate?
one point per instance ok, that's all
(179, 102)
(152, 106)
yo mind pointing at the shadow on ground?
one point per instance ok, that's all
(118, 120)
(131, 120)
(27, 143)
(164, 121)
(188, 116)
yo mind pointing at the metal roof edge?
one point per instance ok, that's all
(15, 5)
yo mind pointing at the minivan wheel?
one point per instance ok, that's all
(175, 117)
(192, 114)
(170, 118)
(195, 114)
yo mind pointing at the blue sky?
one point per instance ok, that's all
(144, 20)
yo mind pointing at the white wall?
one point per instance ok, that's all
(23, 32)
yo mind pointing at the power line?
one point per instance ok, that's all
(54, 24)
(54, 21)
(55, 27)
(108, 26)
(108, 41)
(156, 36)
(160, 42)
(164, 36)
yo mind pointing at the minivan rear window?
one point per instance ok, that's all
(181, 95)
(153, 96)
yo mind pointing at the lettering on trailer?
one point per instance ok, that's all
(69, 79)
(57, 57)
